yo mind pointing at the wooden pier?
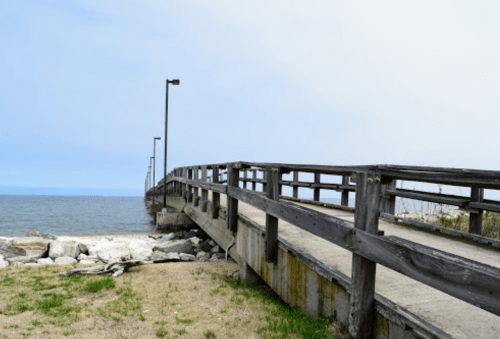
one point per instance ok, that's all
(384, 279)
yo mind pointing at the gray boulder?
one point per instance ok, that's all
(195, 240)
(202, 256)
(45, 261)
(215, 249)
(24, 247)
(71, 249)
(190, 234)
(205, 246)
(217, 256)
(23, 259)
(158, 255)
(187, 257)
(184, 246)
(3, 263)
(65, 261)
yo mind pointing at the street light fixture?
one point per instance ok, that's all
(173, 82)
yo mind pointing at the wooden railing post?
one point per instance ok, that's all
(189, 187)
(264, 181)
(204, 193)
(245, 177)
(273, 179)
(388, 203)
(184, 175)
(344, 197)
(317, 177)
(196, 190)
(295, 188)
(362, 305)
(233, 175)
(476, 216)
(254, 176)
(177, 183)
(215, 195)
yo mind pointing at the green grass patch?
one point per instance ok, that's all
(95, 286)
(283, 321)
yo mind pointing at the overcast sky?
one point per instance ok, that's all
(82, 90)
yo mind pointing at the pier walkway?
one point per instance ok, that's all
(384, 276)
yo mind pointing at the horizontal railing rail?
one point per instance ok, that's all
(375, 189)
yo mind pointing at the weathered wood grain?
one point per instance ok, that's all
(344, 197)
(273, 179)
(316, 189)
(476, 217)
(362, 302)
(204, 191)
(195, 189)
(233, 175)
(295, 188)
(446, 199)
(215, 194)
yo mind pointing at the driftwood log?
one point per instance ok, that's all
(113, 268)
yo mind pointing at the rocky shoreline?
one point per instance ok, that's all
(433, 216)
(38, 249)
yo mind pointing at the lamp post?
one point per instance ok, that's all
(173, 82)
(151, 159)
(154, 158)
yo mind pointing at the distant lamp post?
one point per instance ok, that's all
(154, 164)
(151, 159)
(173, 82)
(154, 159)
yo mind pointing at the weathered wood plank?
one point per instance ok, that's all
(322, 204)
(254, 177)
(316, 189)
(362, 302)
(196, 191)
(273, 178)
(344, 197)
(295, 188)
(446, 199)
(216, 195)
(233, 175)
(216, 187)
(388, 203)
(476, 218)
(264, 182)
(204, 192)
(454, 179)
(485, 205)
(449, 231)
(184, 186)
(189, 186)
(245, 178)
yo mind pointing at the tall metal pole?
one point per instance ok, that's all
(165, 157)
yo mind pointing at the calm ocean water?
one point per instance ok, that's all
(73, 215)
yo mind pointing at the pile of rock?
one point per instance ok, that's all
(433, 216)
(49, 250)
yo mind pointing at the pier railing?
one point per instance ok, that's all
(375, 195)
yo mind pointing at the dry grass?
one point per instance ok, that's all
(175, 300)
(490, 229)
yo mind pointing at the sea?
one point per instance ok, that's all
(74, 215)
(91, 215)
